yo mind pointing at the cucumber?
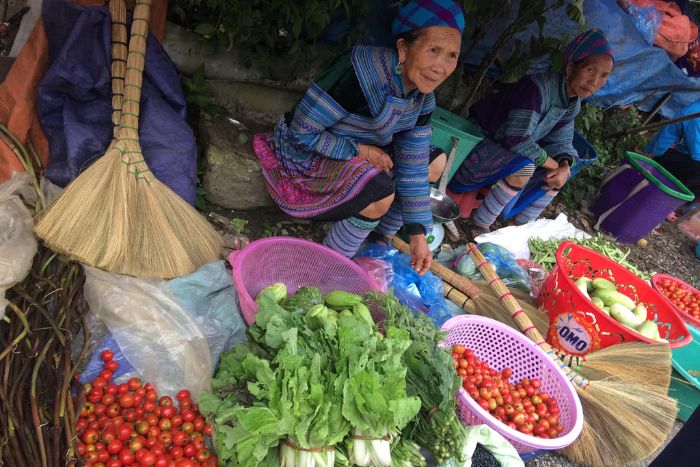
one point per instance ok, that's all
(597, 302)
(600, 283)
(648, 329)
(585, 281)
(640, 311)
(624, 316)
(340, 299)
(612, 296)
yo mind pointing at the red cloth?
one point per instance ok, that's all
(676, 32)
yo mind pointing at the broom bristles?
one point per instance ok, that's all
(624, 423)
(116, 216)
(637, 362)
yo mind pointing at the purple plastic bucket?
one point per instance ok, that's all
(636, 197)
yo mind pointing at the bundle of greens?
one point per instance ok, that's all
(308, 379)
(430, 376)
(544, 252)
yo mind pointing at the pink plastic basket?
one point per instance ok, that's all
(502, 346)
(296, 263)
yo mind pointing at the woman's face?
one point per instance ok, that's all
(584, 78)
(430, 58)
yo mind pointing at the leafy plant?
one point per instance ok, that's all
(595, 124)
(266, 31)
(198, 96)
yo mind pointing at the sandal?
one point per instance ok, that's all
(473, 229)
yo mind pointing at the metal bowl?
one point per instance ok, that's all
(443, 207)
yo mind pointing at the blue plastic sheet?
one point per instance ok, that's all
(642, 74)
(74, 101)
(422, 294)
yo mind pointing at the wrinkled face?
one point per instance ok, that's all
(430, 58)
(587, 76)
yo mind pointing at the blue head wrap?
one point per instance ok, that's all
(419, 14)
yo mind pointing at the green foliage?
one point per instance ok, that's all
(265, 31)
(198, 96)
(595, 124)
(512, 56)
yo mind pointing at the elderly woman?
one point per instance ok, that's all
(355, 148)
(528, 128)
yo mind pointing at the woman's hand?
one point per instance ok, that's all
(375, 156)
(421, 256)
(550, 164)
(555, 179)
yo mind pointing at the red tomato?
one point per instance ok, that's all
(458, 349)
(180, 438)
(111, 365)
(134, 384)
(162, 461)
(187, 415)
(168, 411)
(136, 444)
(153, 432)
(102, 455)
(203, 455)
(124, 432)
(91, 457)
(165, 400)
(126, 457)
(90, 437)
(189, 450)
(184, 394)
(114, 447)
(165, 424)
(126, 400)
(106, 355)
(148, 458)
(176, 452)
(199, 424)
(142, 427)
(177, 420)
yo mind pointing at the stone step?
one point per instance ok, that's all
(232, 175)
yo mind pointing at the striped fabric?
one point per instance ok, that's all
(531, 119)
(347, 235)
(591, 42)
(417, 14)
(310, 165)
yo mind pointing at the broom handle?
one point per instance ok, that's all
(129, 123)
(519, 316)
(460, 282)
(117, 10)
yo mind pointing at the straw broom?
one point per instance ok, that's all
(637, 362)
(623, 422)
(116, 215)
(634, 362)
(117, 11)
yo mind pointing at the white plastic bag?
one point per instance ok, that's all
(515, 238)
(17, 243)
(161, 341)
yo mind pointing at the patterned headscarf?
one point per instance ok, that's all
(591, 42)
(417, 14)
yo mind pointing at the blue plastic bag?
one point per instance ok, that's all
(420, 293)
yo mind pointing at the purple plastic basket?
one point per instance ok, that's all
(637, 197)
(296, 263)
(502, 346)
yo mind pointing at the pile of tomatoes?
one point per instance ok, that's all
(683, 298)
(128, 424)
(522, 406)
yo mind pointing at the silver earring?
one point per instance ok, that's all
(399, 68)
